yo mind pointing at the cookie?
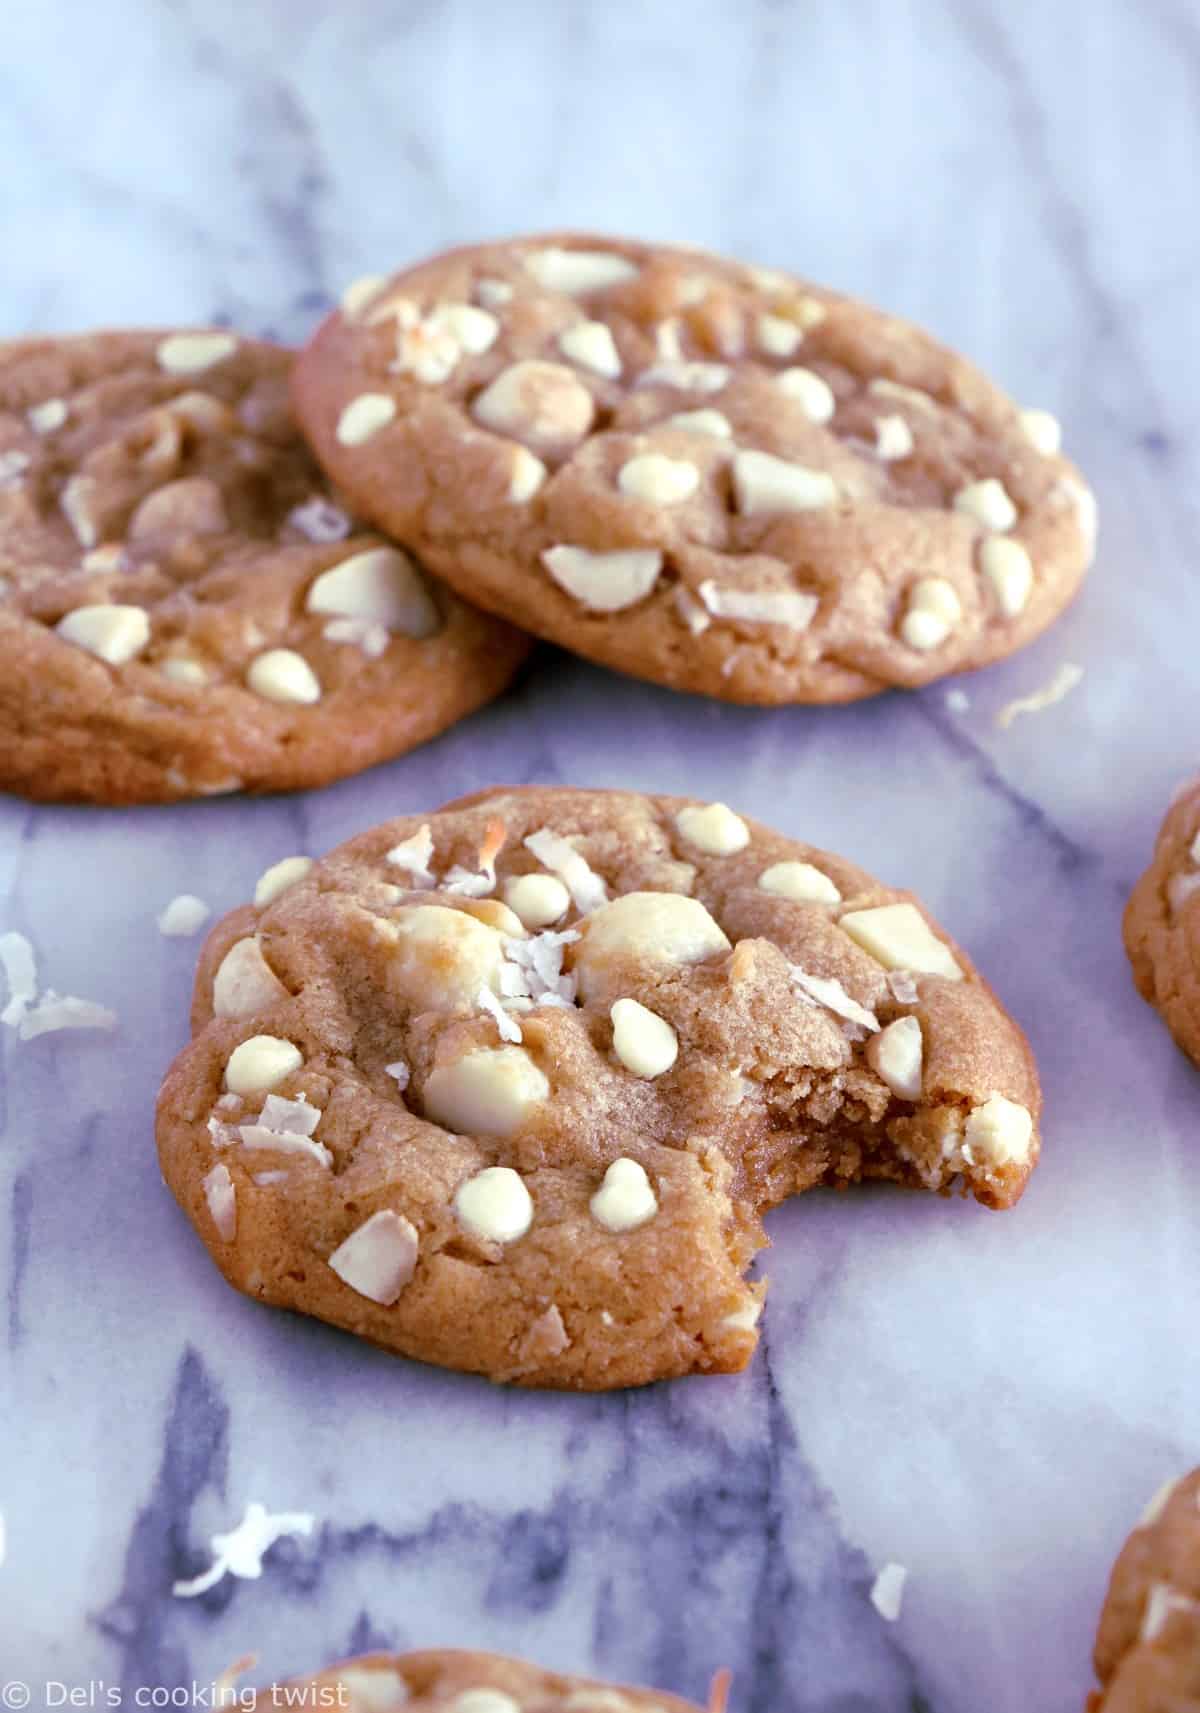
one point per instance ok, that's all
(1147, 1653)
(453, 1681)
(509, 1087)
(186, 607)
(1162, 922)
(704, 474)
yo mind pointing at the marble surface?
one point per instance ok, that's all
(987, 1399)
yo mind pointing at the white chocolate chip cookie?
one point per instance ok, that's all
(1162, 922)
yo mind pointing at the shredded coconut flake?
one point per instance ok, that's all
(20, 972)
(286, 1127)
(561, 858)
(183, 916)
(887, 1593)
(241, 1551)
(413, 855)
(533, 971)
(788, 607)
(400, 1073)
(830, 993)
(222, 1135)
(297, 1116)
(510, 1029)
(63, 1011)
(1063, 682)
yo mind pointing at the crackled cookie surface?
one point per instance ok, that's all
(185, 607)
(450, 1681)
(1148, 1644)
(708, 475)
(509, 1086)
(1162, 922)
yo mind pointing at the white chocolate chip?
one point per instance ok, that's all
(543, 404)
(282, 675)
(46, 417)
(661, 930)
(475, 330)
(605, 582)
(777, 336)
(934, 608)
(363, 417)
(183, 916)
(592, 346)
(713, 828)
(578, 271)
(359, 293)
(898, 937)
(686, 377)
(657, 479)
(490, 1091)
(281, 876)
(526, 475)
(893, 438)
(379, 1258)
(381, 585)
(221, 1196)
(1043, 431)
(625, 1199)
(896, 1054)
(988, 502)
(703, 421)
(114, 634)
(495, 1205)
(1008, 568)
(441, 957)
(493, 294)
(765, 485)
(800, 882)
(644, 1042)
(537, 899)
(1000, 1132)
(245, 982)
(811, 392)
(320, 520)
(885, 389)
(260, 1064)
(791, 608)
(189, 353)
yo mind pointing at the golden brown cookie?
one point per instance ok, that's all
(509, 1087)
(704, 474)
(1147, 1652)
(452, 1681)
(185, 606)
(1162, 922)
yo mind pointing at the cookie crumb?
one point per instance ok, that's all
(1065, 679)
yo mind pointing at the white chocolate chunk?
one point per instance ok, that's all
(495, 1205)
(799, 881)
(190, 353)
(282, 675)
(280, 877)
(484, 1701)
(245, 982)
(578, 271)
(112, 633)
(544, 404)
(625, 1199)
(182, 670)
(686, 377)
(379, 1258)
(559, 855)
(896, 1054)
(266, 1138)
(441, 957)
(605, 582)
(703, 421)
(299, 1117)
(221, 1196)
(934, 608)
(765, 485)
(359, 293)
(1000, 1131)
(988, 502)
(526, 475)
(490, 1092)
(474, 330)
(661, 930)
(713, 828)
(811, 392)
(898, 937)
(893, 438)
(829, 992)
(778, 336)
(644, 1042)
(1008, 568)
(374, 640)
(538, 899)
(45, 418)
(592, 346)
(363, 417)
(183, 916)
(381, 585)
(493, 294)
(791, 608)
(1043, 431)
(657, 479)
(260, 1063)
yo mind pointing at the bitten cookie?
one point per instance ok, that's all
(708, 475)
(450, 1681)
(1147, 1653)
(1162, 922)
(509, 1087)
(185, 607)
